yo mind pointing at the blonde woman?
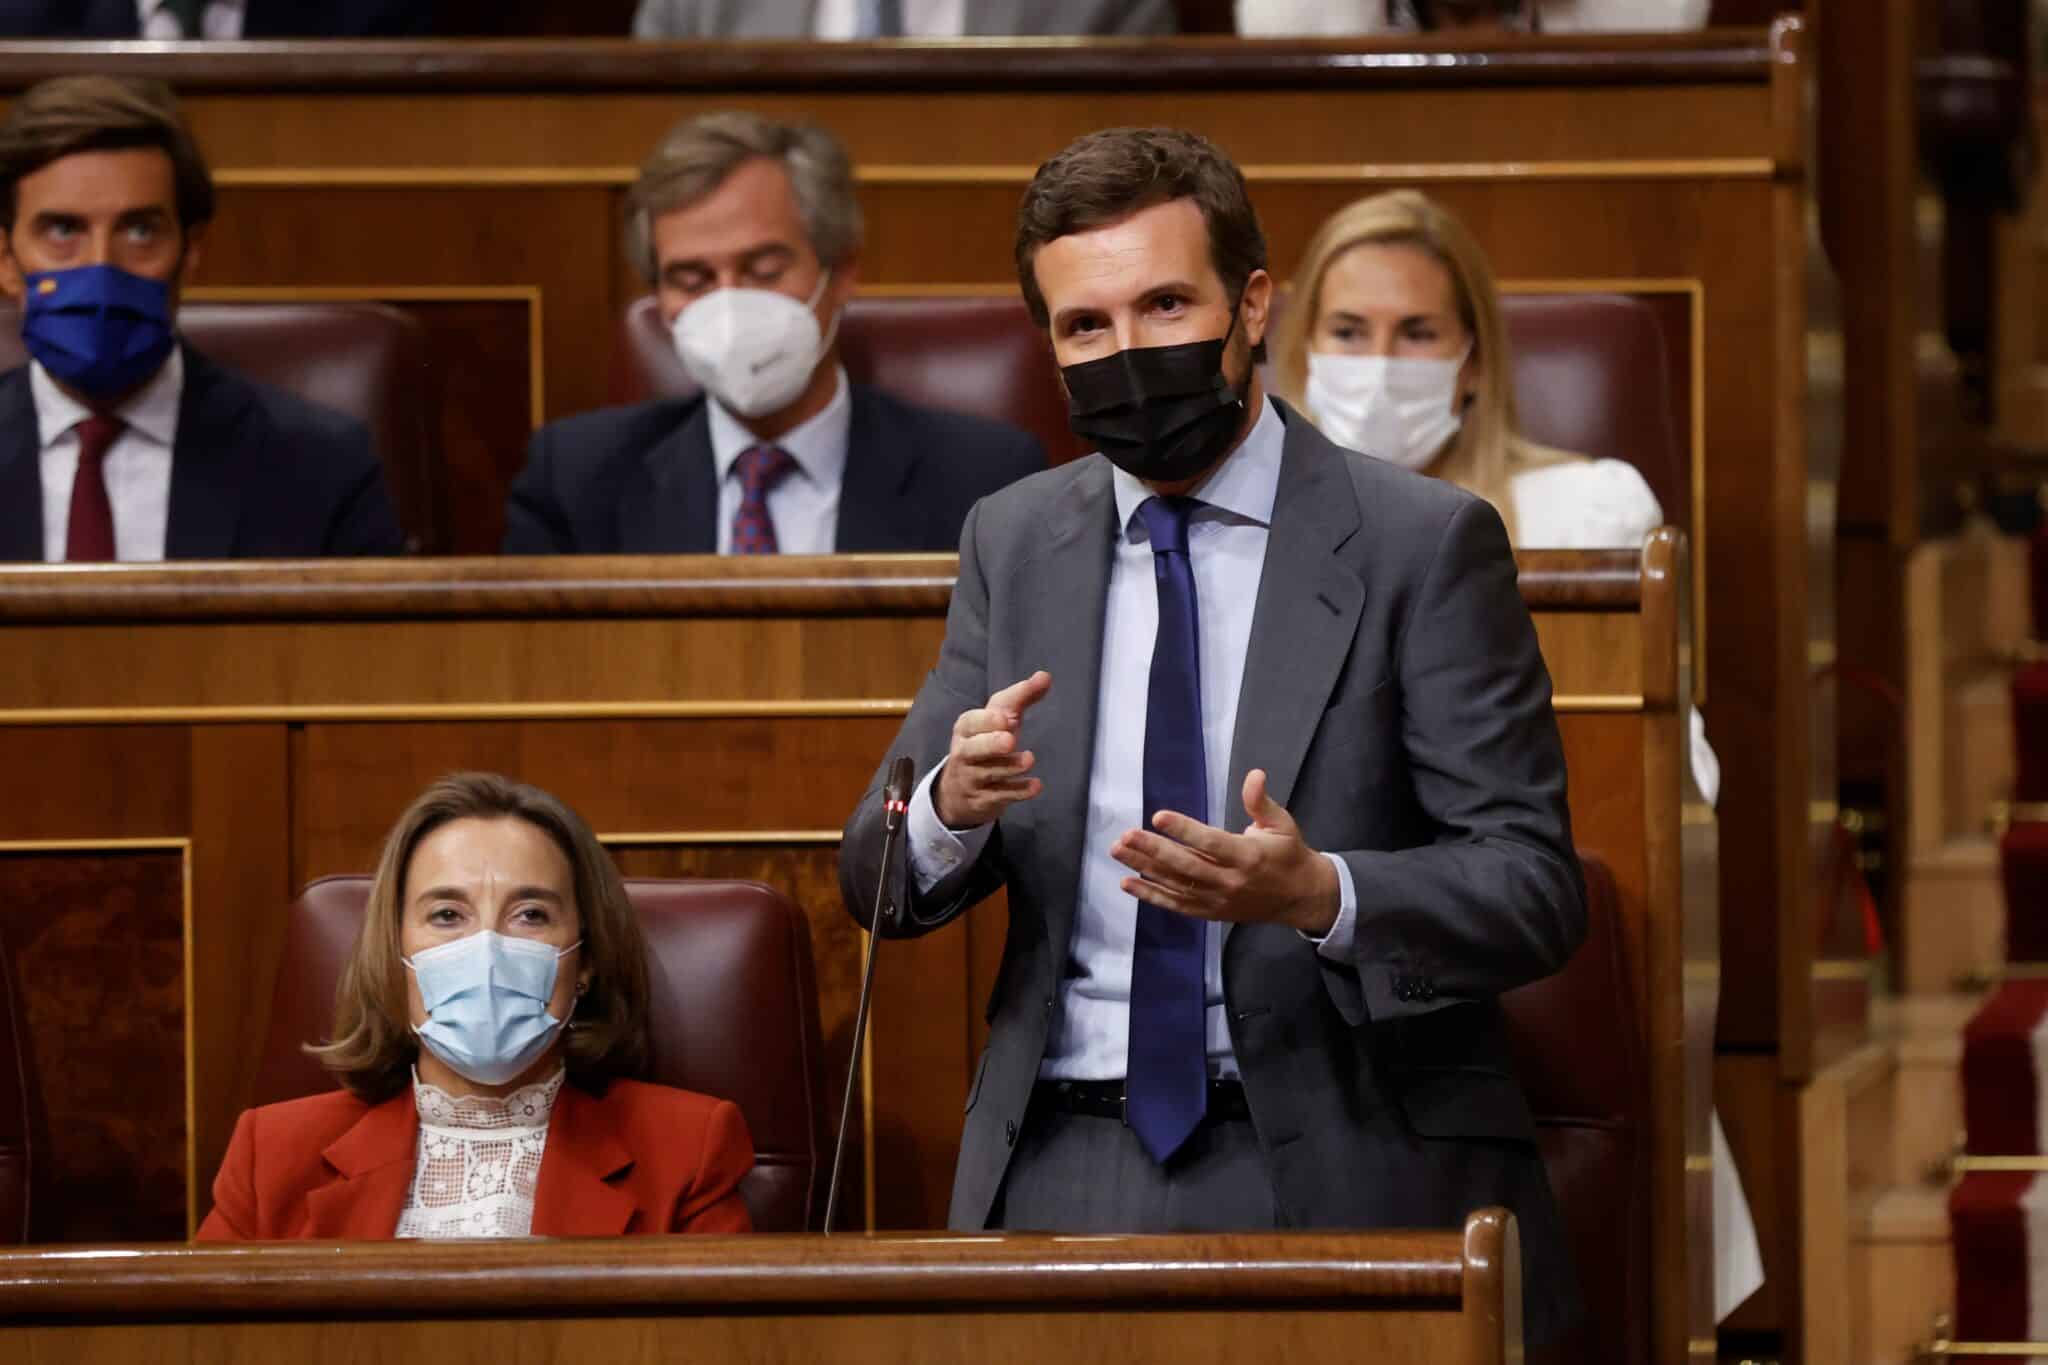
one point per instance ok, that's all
(1392, 343)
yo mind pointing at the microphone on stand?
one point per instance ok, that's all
(895, 806)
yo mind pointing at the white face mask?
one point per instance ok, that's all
(1401, 410)
(752, 349)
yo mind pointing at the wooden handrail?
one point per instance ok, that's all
(443, 66)
(601, 586)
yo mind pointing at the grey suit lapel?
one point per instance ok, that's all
(1305, 620)
(767, 19)
(1070, 580)
(21, 475)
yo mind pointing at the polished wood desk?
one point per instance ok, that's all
(201, 740)
(1445, 1298)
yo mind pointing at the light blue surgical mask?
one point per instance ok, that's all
(486, 998)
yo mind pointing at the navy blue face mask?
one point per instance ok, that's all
(97, 328)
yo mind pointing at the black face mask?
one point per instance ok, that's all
(1160, 413)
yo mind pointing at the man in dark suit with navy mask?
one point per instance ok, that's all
(749, 232)
(117, 440)
(215, 20)
(1257, 738)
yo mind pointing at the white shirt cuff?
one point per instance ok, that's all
(936, 852)
(1336, 945)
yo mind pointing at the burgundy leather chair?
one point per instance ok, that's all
(1578, 1051)
(363, 359)
(1592, 372)
(735, 1015)
(24, 1134)
(977, 354)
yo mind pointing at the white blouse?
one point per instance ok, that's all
(1583, 505)
(478, 1161)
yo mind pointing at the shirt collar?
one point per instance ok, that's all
(818, 445)
(1243, 488)
(151, 411)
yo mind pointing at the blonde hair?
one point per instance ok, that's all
(373, 1047)
(1488, 450)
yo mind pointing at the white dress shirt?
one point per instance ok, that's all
(921, 18)
(220, 21)
(805, 505)
(1227, 537)
(137, 466)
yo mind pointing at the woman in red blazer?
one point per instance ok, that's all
(494, 1004)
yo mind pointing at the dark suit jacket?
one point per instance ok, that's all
(257, 474)
(1394, 694)
(639, 1159)
(261, 18)
(640, 479)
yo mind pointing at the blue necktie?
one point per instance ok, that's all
(1166, 1081)
(878, 19)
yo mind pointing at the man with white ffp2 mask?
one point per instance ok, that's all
(749, 232)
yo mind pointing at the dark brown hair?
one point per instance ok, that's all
(73, 114)
(1102, 177)
(374, 1047)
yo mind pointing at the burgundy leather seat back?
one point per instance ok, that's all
(974, 354)
(1594, 375)
(1577, 1043)
(363, 359)
(735, 1015)
(23, 1133)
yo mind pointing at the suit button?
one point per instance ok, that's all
(1010, 1132)
(1049, 1004)
(1426, 991)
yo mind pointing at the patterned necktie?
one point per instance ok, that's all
(761, 468)
(89, 529)
(1166, 1081)
(190, 15)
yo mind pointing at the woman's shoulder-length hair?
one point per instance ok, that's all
(373, 1047)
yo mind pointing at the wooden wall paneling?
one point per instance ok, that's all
(98, 933)
(88, 783)
(556, 239)
(241, 883)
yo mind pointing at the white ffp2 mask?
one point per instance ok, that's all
(752, 349)
(1398, 409)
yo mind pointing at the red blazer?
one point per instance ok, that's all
(640, 1159)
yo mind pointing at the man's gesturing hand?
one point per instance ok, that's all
(984, 773)
(1266, 874)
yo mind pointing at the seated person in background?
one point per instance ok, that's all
(1336, 18)
(215, 19)
(749, 232)
(1392, 341)
(117, 442)
(900, 18)
(498, 934)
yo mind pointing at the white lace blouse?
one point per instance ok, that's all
(478, 1162)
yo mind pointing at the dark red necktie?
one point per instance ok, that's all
(89, 531)
(761, 468)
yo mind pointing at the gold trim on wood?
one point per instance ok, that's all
(457, 711)
(1840, 969)
(698, 838)
(163, 843)
(1963, 1165)
(1569, 703)
(1009, 174)
(1987, 1348)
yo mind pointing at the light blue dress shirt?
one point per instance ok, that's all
(1227, 550)
(805, 505)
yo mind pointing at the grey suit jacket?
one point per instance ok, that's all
(985, 18)
(1394, 694)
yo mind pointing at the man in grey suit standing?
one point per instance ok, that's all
(1258, 738)
(901, 18)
